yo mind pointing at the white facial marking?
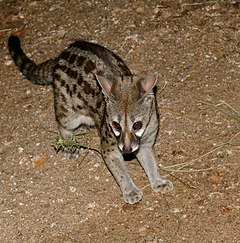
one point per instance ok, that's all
(135, 147)
(116, 132)
(120, 145)
(139, 133)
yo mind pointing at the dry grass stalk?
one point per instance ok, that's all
(180, 167)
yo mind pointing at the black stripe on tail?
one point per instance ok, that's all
(37, 74)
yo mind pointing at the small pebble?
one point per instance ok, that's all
(8, 63)
(72, 189)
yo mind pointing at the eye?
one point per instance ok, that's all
(137, 125)
(116, 126)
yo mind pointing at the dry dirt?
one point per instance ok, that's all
(195, 47)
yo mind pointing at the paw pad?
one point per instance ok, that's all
(133, 197)
(163, 186)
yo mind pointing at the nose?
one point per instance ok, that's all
(127, 150)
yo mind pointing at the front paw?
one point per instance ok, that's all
(162, 186)
(133, 197)
(71, 154)
(70, 147)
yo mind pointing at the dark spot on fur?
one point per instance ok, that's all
(64, 109)
(56, 76)
(62, 67)
(86, 103)
(98, 91)
(79, 95)
(92, 109)
(72, 74)
(80, 80)
(72, 58)
(60, 116)
(64, 100)
(74, 108)
(88, 89)
(100, 73)
(67, 88)
(80, 60)
(68, 70)
(74, 90)
(89, 66)
(106, 133)
(62, 82)
(65, 55)
(55, 88)
(79, 107)
(99, 104)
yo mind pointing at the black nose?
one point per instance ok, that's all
(127, 150)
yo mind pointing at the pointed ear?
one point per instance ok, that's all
(146, 85)
(106, 85)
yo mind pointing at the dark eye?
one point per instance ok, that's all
(137, 125)
(117, 126)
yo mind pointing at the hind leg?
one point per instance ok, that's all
(67, 125)
(69, 145)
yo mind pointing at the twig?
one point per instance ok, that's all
(91, 149)
(235, 116)
(229, 106)
(84, 157)
(166, 83)
(183, 182)
(5, 30)
(183, 165)
(197, 4)
(179, 170)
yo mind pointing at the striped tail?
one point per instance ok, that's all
(38, 74)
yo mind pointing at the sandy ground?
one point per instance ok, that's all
(195, 48)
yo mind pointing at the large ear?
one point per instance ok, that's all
(146, 85)
(106, 86)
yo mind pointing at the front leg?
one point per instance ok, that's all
(147, 160)
(115, 163)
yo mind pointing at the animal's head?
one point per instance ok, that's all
(129, 108)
